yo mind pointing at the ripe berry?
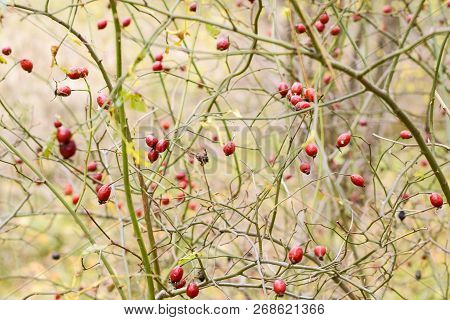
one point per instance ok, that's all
(192, 206)
(324, 18)
(63, 134)
(56, 256)
(193, 7)
(283, 89)
(6, 51)
(162, 145)
(67, 149)
(77, 73)
(300, 28)
(180, 197)
(63, 91)
(157, 66)
(103, 101)
(363, 122)
(159, 57)
(192, 290)
(343, 140)
(357, 180)
(84, 72)
(223, 43)
(356, 17)
(279, 287)
(326, 79)
(103, 193)
(92, 166)
(309, 94)
(73, 74)
(139, 213)
(387, 9)
(183, 184)
(102, 24)
(295, 100)
(229, 148)
(302, 105)
(319, 252)
(165, 200)
(335, 30)
(311, 150)
(26, 65)
(97, 176)
(305, 167)
(180, 284)
(75, 198)
(180, 176)
(297, 88)
(436, 200)
(176, 274)
(68, 190)
(98, 186)
(57, 123)
(153, 155)
(151, 140)
(165, 125)
(405, 134)
(295, 254)
(319, 26)
(126, 22)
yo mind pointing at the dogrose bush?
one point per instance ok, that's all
(218, 149)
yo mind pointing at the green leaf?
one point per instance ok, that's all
(49, 147)
(189, 257)
(212, 30)
(136, 101)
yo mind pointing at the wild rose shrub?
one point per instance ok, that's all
(233, 149)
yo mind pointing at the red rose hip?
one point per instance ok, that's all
(63, 91)
(279, 287)
(305, 167)
(343, 140)
(405, 134)
(153, 155)
(6, 51)
(68, 149)
(103, 193)
(300, 28)
(311, 150)
(26, 65)
(151, 140)
(357, 180)
(436, 200)
(319, 252)
(223, 43)
(63, 134)
(102, 24)
(228, 148)
(176, 274)
(162, 145)
(192, 290)
(295, 254)
(283, 89)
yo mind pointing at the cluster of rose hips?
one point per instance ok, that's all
(67, 146)
(103, 23)
(176, 278)
(320, 25)
(157, 65)
(299, 98)
(295, 255)
(156, 147)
